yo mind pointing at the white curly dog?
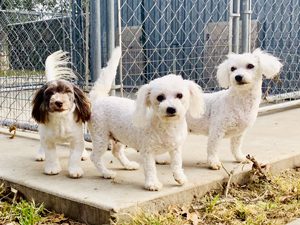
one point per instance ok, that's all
(153, 124)
(229, 113)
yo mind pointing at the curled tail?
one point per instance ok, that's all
(106, 77)
(57, 66)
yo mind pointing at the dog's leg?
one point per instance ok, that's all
(214, 140)
(76, 146)
(52, 165)
(176, 165)
(236, 143)
(162, 159)
(85, 155)
(151, 181)
(100, 144)
(40, 155)
(118, 151)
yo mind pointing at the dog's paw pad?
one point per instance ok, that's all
(40, 157)
(155, 186)
(215, 166)
(132, 166)
(75, 172)
(109, 175)
(52, 169)
(180, 178)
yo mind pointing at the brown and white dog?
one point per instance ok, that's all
(60, 108)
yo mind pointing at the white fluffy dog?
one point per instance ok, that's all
(229, 113)
(60, 108)
(155, 123)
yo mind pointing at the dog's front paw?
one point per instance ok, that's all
(132, 165)
(52, 168)
(40, 157)
(153, 186)
(214, 164)
(163, 159)
(109, 174)
(75, 172)
(180, 178)
(241, 159)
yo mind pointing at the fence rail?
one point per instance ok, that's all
(186, 37)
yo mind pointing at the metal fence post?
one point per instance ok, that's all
(111, 32)
(120, 44)
(95, 34)
(246, 20)
(235, 26)
(77, 38)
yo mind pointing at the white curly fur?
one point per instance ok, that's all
(229, 113)
(145, 125)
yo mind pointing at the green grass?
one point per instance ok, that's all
(27, 213)
(271, 201)
(15, 210)
(7, 73)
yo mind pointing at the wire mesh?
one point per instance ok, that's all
(279, 33)
(187, 37)
(158, 37)
(29, 32)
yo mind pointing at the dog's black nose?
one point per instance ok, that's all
(171, 110)
(58, 104)
(238, 78)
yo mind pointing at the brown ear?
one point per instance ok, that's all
(83, 105)
(39, 106)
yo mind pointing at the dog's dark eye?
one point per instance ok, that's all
(250, 66)
(179, 95)
(160, 98)
(233, 68)
(68, 91)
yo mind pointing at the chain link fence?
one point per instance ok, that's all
(29, 32)
(158, 37)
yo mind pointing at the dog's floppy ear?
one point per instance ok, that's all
(223, 74)
(142, 103)
(197, 106)
(39, 106)
(269, 65)
(83, 105)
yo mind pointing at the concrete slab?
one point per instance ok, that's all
(295, 222)
(275, 138)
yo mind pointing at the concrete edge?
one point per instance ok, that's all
(93, 215)
(75, 210)
(188, 196)
(276, 110)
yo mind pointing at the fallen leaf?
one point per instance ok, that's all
(12, 128)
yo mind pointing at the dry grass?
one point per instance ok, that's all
(264, 200)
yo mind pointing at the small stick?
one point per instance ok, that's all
(230, 174)
(255, 165)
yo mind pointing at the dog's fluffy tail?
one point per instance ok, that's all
(106, 77)
(57, 66)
